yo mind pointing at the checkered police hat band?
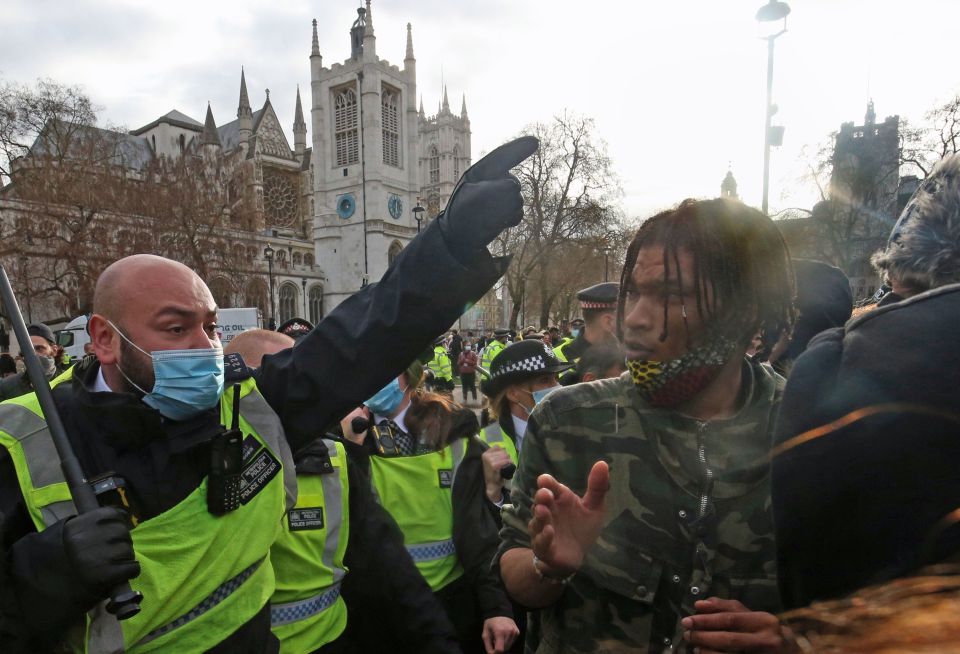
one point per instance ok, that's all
(530, 364)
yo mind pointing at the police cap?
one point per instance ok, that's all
(522, 360)
(296, 328)
(600, 296)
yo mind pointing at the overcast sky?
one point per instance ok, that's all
(677, 89)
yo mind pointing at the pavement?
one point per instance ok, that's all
(476, 405)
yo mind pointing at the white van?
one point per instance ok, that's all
(73, 337)
(231, 322)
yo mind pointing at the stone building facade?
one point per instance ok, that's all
(865, 196)
(375, 158)
(332, 216)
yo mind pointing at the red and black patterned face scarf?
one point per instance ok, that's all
(673, 382)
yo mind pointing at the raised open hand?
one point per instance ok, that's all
(565, 526)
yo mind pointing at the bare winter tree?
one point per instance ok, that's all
(938, 136)
(569, 190)
(84, 196)
(853, 218)
(194, 214)
(67, 173)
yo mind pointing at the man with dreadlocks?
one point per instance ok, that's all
(651, 529)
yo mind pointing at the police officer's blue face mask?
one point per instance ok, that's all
(575, 333)
(186, 382)
(387, 400)
(542, 393)
(538, 396)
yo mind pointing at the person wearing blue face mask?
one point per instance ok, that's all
(415, 445)
(521, 375)
(341, 554)
(200, 447)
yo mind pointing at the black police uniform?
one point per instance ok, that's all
(602, 296)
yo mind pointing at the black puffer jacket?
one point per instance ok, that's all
(870, 433)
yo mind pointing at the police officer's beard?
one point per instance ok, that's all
(135, 367)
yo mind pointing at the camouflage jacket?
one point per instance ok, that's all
(688, 512)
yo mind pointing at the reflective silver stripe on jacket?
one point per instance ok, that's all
(333, 505)
(222, 592)
(440, 549)
(281, 614)
(266, 422)
(494, 433)
(53, 513)
(31, 431)
(43, 462)
(106, 635)
(459, 448)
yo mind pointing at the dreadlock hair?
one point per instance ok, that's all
(742, 274)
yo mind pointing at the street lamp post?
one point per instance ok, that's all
(26, 282)
(523, 303)
(771, 12)
(417, 210)
(303, 283)
(268, 254)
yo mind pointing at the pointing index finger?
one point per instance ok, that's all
(499, 162)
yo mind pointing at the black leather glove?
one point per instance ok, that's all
(99, 549)
(486, 201)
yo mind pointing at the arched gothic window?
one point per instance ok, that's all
(389, 101)
(456, 163)
(297, 258)
(345, 127)
(315, 299)
(434, 165)
(288, 302)
(221, 291)
(393, 252)
(256, 295)
(308, 259)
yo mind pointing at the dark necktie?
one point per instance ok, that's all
(405, 444)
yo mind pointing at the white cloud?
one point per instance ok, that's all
(677, 89)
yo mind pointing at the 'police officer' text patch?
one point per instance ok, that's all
(258, 470)
(446, 478)
(305, 518)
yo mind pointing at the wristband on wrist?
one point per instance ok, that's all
(542, 576)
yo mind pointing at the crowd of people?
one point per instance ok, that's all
(712, 457)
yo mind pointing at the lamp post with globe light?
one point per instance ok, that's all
(268, 255)
(417, 211)
(772, 13)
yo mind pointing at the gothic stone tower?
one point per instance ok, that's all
(365, 160)
(866, 162)
(866, 179)
(444, 153)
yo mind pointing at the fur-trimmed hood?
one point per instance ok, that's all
(924, 248)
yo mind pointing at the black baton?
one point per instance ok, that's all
(124, 601)
(507, 471)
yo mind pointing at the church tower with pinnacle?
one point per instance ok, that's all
(371, 159)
